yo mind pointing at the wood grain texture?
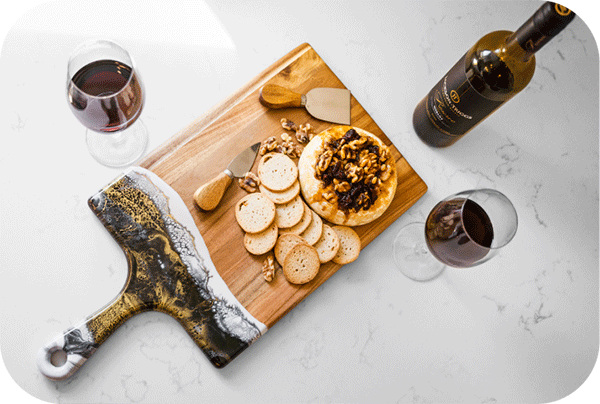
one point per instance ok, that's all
(204, 148)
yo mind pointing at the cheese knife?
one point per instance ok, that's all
(209, 195)
(327, 104)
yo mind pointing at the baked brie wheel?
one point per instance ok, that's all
(347, 175)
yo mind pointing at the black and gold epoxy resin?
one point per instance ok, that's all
(166, 273)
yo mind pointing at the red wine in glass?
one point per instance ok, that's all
(463, 230)
(106, 95)
(457, 240)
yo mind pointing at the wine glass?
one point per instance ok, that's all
(106, 95)
(463, 230)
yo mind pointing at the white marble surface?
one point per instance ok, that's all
(522, 327)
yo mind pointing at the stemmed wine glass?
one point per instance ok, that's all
(463, 230)
(106, 95)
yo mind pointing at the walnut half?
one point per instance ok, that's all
(249, 182)
(268, 145)
(304, 133)
(268, 268)
(288, 125)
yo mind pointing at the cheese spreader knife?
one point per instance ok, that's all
(209, 195)
(327, 104)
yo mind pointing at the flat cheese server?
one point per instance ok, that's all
(209, 195)
(327, 104)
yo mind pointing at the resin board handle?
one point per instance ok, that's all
(169, 270)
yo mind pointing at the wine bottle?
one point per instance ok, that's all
(494, 70)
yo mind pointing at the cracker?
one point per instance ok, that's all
(284, 244)
(313, 233)
(349, 245)
(328, 245)
(262, 242)
(290, 213)
(277, 171)
(301, 264)
(281, 196)
(254, 213)
(302, 224)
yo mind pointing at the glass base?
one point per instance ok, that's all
(118, 149)
(412, 256)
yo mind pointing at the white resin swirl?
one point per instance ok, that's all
(229, 313)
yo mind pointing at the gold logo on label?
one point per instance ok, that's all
(562, 10)
(454, 97)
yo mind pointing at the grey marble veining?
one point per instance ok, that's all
(522, 327)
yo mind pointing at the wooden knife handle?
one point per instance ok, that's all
(209, 195)
(274, 96)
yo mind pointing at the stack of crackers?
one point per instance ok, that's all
(277, 219)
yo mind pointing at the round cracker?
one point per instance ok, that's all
(302, 224)
(281, 196)
(290, 213)
(277, 171)
(284, 244)
(349, 245)
(255, 212)
(328, 245)
(313, 233)
(263, 242)
(301, 264)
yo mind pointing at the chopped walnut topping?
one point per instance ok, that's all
(288, 125)
(354, 172)
(356, 144)
(383, 155)
(341, 186)
(329, 196)
(324, 161)
(385, 172)
(268, 268)
(249, 182)
(354, 166)
(363, 200)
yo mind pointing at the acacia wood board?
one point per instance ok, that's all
(204, 148)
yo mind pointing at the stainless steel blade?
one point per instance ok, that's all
(242, 163)
(329, 104)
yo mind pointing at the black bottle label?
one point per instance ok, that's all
(453, 106)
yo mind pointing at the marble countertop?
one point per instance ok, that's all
(522, 327)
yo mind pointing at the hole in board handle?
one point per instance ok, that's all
(58, 358)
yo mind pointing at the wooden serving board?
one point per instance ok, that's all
(204, 148)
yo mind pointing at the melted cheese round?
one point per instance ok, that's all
(313, 188)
